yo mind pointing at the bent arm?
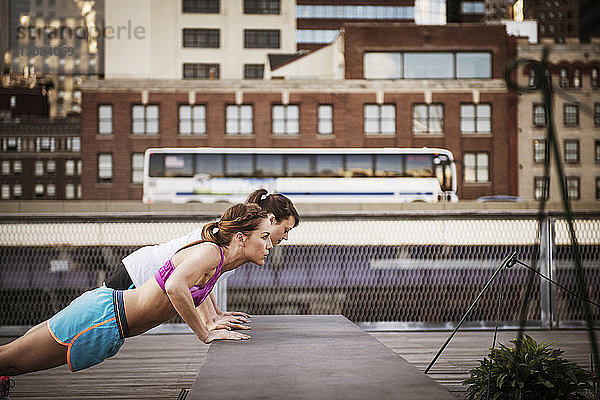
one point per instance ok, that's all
(191, 267)
(181, 298)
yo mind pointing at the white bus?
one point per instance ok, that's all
(305, 175)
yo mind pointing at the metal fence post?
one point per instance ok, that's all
(546, 267)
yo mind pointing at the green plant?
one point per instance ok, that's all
(529, 371)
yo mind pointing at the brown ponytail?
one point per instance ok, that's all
(275, 203)
(241, 217)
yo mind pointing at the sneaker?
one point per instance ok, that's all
(5, 384)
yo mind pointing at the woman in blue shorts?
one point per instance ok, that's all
(94, 326)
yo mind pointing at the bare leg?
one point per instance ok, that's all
(34, 351)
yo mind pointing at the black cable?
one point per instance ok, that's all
(498, 312)
(557, 284)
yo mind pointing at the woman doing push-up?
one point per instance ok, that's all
(94, 326)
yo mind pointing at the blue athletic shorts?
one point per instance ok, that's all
(93, 327)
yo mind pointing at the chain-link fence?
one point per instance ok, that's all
(384, 271)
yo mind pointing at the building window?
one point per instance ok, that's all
(105, 167)
(51, 166)
(105, 125)
(286, 119)
(5, 192)
(11, 143)
(201, 71)
(38, 189)
(69, 191)
(39, 168)
(531, 78)
(5, 167)
(355, 12)
(472, 7)
(17, 190)
(571, 115)
(380, 119)
(428, 118)
(69, 167)
(201, 6)
(597, 188)
(594, 78)
(201, 38)
(325, 122)
(17, 167)
(539, 116)
(50, 190)
(573, 187)
(73, 144)
(577, 78)
(597, 115)
(239, 119)
(476, 118)
(571, 151)
(539, 151)
(144, 119)
(192, 120)
(597, 150)
(261, 7)
(137, 168)
(254, 71)
(79, 167)
(45, 144)
(316, 35)
(476, 168)
(261, 39)
(563, 80)
(540, 185)
(427, 65)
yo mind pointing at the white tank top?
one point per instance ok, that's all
(143, 263)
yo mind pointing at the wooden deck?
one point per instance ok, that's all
(160, 366)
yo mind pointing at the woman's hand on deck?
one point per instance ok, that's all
(223, 334)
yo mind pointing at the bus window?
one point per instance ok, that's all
(358, 165)
(238, 165)
(329, 165)
(269, 165)
(388, 165)
(298, 165)
(210, 164)
(157, 165)
(171, 165)
(419, 165)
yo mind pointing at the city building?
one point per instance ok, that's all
(39, 157)
(557, 19)
(318, 21)
(196, 39)
(442, 95)
(575, 72)
(59, 39)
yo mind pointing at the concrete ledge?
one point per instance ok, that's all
(309, 357)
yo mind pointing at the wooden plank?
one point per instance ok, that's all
(309, 357)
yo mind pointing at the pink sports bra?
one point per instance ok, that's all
(199, 292)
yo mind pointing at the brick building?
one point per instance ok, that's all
(575, 71)
(464, 106)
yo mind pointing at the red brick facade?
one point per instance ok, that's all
(348, 99)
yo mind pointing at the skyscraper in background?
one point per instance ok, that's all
(59, 39)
